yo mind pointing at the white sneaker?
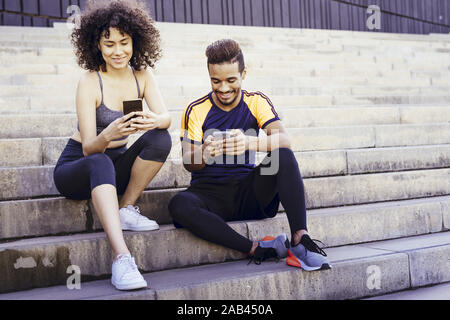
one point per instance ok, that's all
(125, 274)
(131, 219)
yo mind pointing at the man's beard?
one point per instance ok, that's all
(226, 103)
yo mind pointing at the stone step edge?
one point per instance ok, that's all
(292, 130)
(35, 113)
(179, 110)
(183, 181)
(60, 29)
(241, 281)
(330, 211)
(430, 292)
(177, 161)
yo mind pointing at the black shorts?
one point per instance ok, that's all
(253, 197)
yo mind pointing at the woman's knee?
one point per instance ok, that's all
(98, 161)
(101, 170)
(157, 145)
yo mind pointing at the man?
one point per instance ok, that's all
(225, 184)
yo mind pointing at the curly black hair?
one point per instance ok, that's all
(129, 16)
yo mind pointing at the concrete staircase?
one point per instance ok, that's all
(369, 119)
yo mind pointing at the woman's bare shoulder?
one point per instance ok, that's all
(88, 87)
(88, 77)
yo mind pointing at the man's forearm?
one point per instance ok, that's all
(193, 160)
(268, 143)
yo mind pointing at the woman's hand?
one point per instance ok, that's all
(119, 128)
(146, 120)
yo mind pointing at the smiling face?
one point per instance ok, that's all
(117, 49)
(226, 82)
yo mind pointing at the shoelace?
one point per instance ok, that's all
(311, 245)
(127, 260)
(267, 255)
(137, 209)
(136, 212)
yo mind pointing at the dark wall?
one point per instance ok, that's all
(400, 16)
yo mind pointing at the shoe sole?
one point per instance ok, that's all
(131, 286)
(293, 261)
(140, 229)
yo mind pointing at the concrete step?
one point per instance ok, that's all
(66, 103)
(390, 99)
(350, 94)
(358, 87)
(285, 32)
(307, 77)
(281, 97)
(37, 181)
(300, 42)
(433, 292)
(65, 49)
(61, 216)
(345, 116)
(193, 49)
(12, 57)
(195, 89)
(22, 56)
(168, 29)
(46, 151)
(170, 67)
(358, 271)
(353, 137)
(299, 62)
(311, 77)
(250, 41)
(57, 215)
(274, 34)
(445, 81)
(63, 125)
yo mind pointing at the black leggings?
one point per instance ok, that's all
(206, 205)
(76, 176)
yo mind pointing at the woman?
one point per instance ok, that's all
(115, 42)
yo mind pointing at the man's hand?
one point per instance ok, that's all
(235, 145)
(208, 149)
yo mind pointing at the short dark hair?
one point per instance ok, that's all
(225, 50)
(129, 16)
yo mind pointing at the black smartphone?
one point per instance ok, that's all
(221, 135)
(131, 106)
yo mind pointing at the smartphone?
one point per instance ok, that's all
(131, 106)
(220, 135)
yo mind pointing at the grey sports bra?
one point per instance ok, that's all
(105, 115)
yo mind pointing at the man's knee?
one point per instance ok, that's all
(178, 205)
(277, 160)
(287, 161)
(184, 204)
(181, 209)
